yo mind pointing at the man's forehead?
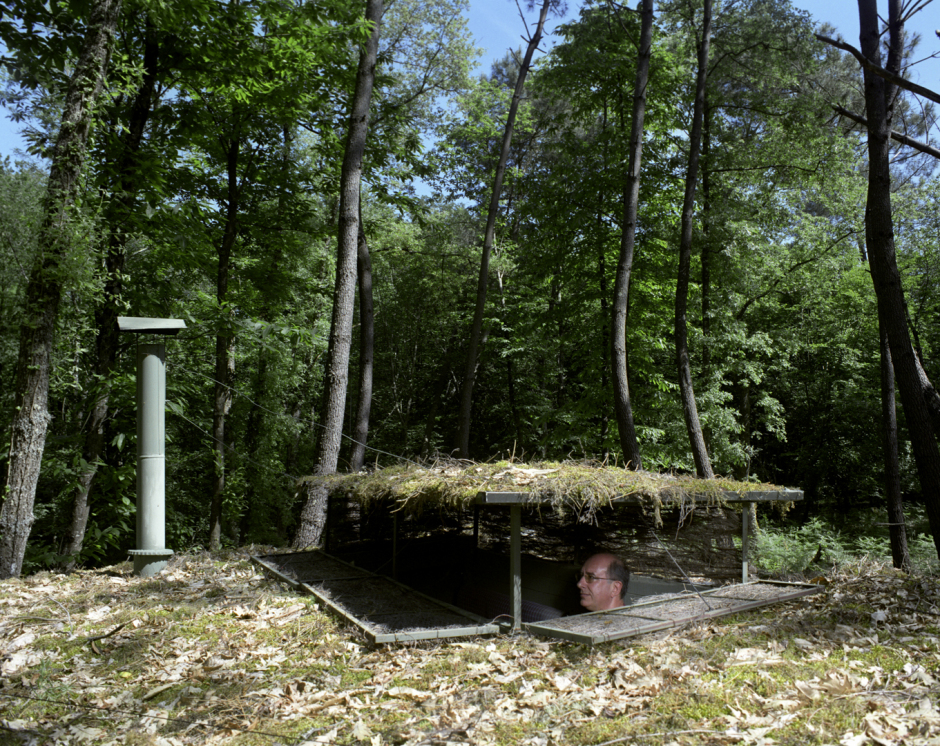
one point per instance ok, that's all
(598, 562)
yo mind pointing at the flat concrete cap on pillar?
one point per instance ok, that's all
(150, 326)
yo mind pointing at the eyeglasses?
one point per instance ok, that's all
(589, 577)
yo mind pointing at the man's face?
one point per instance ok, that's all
(597, 590)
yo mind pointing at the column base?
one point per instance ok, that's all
(148, 562)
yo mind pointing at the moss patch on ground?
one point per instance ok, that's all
(214, 653)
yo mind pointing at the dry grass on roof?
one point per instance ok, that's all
(571, 483)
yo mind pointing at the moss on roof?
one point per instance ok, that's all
(574, 484)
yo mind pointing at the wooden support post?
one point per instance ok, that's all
(515, 562)
(327, 524)
(476, 525)
(745, 520)
(395, 546)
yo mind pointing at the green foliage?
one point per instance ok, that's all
(817, 545)
(793, 550)
(783, 330)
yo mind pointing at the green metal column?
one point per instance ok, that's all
(151, 555)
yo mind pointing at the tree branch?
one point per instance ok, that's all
(880, 71)
(895, 135)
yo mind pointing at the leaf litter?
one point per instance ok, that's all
(209, 651)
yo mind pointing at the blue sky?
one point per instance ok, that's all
(497, 27)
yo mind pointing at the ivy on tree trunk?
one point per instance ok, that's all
(117, 219)
(46, 284)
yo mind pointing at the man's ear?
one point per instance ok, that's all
(619, 591)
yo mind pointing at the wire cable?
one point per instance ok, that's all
(301, 419)
(231, 448)
(675, 562)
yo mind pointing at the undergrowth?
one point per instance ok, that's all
(817, 545)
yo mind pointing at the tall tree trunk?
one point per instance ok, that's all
(313, 515)
(706, 240)
(224, 347)
(117, 219)
(703, 465)
(631, 198)
(900, 554)
(44, 291)
(605, 326)
(912, 382)
(366, 351)
(476, 331)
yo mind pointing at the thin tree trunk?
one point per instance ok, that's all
(706, 241)
(900, 553)
(366, 351)
(912, 383)
(31, 419)
(703, 465)
(117, 220)
(476, 331)
(631, 197)
(606, 317)
(224, 347)
(344, 292)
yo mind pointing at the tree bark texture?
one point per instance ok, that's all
(911, 381)
(623, 408)
(44, 291)
(900, 554)
(312, 517)
(344, 291)
(224, 348)
(476, 330)
(366, 351)
(706, 241)
(117, 219)
(703, 465)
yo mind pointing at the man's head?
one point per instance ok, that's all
(602, 582)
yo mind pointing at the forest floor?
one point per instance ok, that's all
(209, 651)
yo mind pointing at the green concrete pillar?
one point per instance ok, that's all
(151, 555)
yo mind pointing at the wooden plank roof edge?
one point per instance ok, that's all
(785, 494)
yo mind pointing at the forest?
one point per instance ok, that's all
(697, 237)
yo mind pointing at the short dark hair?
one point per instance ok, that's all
(618, 570)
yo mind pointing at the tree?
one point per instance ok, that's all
(631, 197)
(914, 386)
(334, 396)
(118, 221)
(489, 235)
(424, 54)
(46, 284)
(366, 349)
(699, 453)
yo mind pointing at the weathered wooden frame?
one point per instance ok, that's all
(516, 500)
(475, 625)
(635, 613)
